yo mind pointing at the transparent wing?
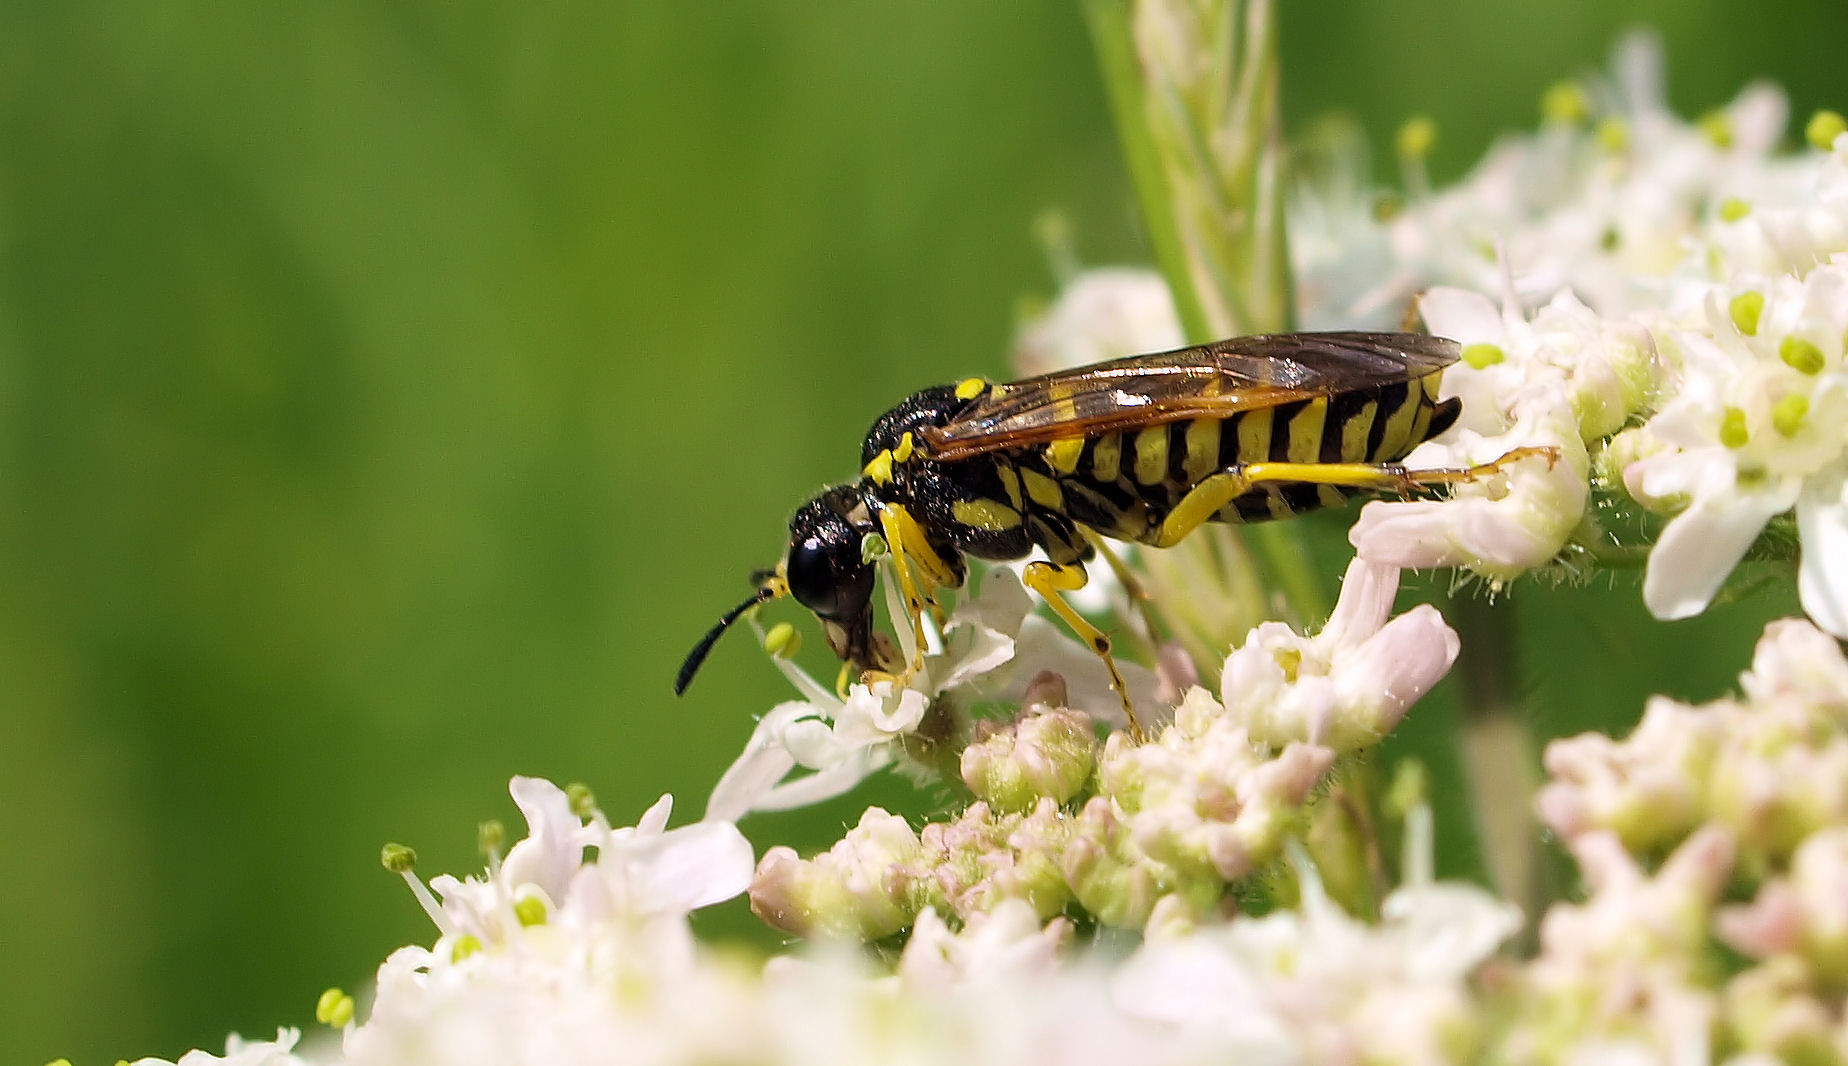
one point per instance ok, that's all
(1212, 380)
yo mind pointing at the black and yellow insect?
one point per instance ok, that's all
(1142, 449)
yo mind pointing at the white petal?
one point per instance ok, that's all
(553, 848)
(1367, 592)
(688, 868)
(837, 779)
(1463, 316)
(1390, 672)
(1700, 547)
(764, 762)
(1822, 580)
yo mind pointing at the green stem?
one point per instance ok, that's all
(1499, 753)
(1116, 54)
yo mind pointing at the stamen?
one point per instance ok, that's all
(1823, 128)
(1745, 310)
(334, 1009)
(402, 861)
(1565, 102)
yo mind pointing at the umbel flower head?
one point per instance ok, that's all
(1672, 304)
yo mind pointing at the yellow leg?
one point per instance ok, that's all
(1049, 579)
(1132, 586)
(899, 530)
(1206, 498)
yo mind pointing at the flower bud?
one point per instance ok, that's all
(1047, 755)
(864, 888)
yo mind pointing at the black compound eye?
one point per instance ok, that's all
(814, 577)
(825, 570)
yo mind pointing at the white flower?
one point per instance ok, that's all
(1500, 526)
(1758, 424)
(1006, 944)
(1104, 313)
(1347, 686)
(1315, 985)
(241, 1052)
(993, 647)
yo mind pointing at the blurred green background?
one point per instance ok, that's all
(390, 393)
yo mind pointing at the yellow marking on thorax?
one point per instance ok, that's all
(1107, 457)
(1397, 439)
(879, 468)
(902, 453)
(1354, 433)
(1152, 455)
(1306, 432)
(1062, 455)
(1010, 483)
(1254, 434)
(970, 388)
(1202, 449)
(1043, 490)
(990, 515)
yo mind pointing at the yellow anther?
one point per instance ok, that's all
(463, 946)
(1788, 413)
(1417, 137)
(1801, 355)
(334, 1008)
(906, 445)
(1823, 128)
(1733, 431)
(880, 468)
(1482, 354)
(1566, 102)
(1613, 134)
(970, 388)
(529, 910)
(489, 836)
(1718, 128)
(1745, 309)
(782, 641)
(397, 858)
(582, 800)
(1732, 209)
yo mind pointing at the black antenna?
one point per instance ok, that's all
(698, 654)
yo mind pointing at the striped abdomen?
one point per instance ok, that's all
(1122, 484)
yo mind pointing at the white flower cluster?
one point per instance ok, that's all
(575, 949)
(605, 971)
(1130, 831)
(1745, 797)
(1662, 302)
(993, 646)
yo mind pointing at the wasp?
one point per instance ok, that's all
(1143, 449)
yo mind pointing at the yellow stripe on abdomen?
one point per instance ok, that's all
(1151, 446)
(1306, 432)
(1254, 436)
(1202, 449)
(1354, 433)
(1107, 458)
